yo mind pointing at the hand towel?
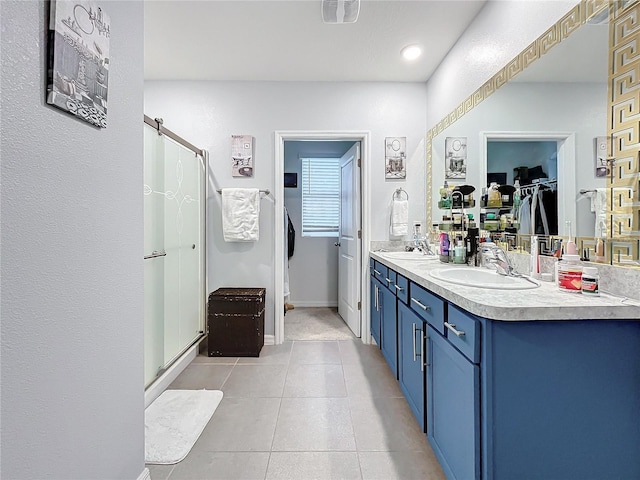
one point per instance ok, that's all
(240, 214)
(599, 207)
(399, 217)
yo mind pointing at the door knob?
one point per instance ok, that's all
(337, 244)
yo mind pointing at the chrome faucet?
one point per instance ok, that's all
(421, 243)
(496, 256)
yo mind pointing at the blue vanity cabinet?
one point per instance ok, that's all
(411, 341)
(453, 408)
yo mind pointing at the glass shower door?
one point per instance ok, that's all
(174, 251)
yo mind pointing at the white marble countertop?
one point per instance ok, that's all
(546, 302)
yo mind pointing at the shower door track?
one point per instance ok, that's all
(157, 123)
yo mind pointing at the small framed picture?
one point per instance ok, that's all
(455, 158)
(242, 155)
(601, 155)
(395, 155)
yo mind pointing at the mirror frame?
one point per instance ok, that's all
(621, 210)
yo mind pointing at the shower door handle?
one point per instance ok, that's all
(156, 254)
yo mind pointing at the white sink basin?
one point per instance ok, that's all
(481, 277)
(407, 255)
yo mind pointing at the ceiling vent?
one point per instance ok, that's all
(340, 11)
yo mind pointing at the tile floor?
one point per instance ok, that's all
(304, 410)
(315, 323)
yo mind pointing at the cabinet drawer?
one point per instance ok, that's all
(401, 287)
(380, 272)
(427, 305)
(386, 276)
(467, 340)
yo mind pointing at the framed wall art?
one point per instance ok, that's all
(601, 154)
(455, 158)
(78, 70)
(242, 155)
(395, 154)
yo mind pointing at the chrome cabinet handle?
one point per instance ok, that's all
(426, 308)
(452, 327)
(399, 288)
(413, 325)
(377, 299)
(388, 280)
(156, 254)
(376, 272)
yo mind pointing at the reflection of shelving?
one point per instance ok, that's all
(503, 205)
(445, 204)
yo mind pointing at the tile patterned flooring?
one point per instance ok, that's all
(304, 410)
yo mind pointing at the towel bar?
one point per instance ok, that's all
(266, 192)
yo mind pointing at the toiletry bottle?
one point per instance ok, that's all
(571, 248)
(494, 198)
(483, 198)
(444, 248)
(599, 251)
(589, 281)
(459, 252)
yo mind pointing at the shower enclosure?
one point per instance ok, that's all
(174, 247)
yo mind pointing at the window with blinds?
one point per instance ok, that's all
(320, 197)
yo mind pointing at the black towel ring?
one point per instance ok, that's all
(398, 193)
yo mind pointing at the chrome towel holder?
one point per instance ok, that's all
(398, 194)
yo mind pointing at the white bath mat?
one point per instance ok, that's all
(174, 421)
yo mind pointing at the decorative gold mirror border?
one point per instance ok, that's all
(623, 183)
(554, 35)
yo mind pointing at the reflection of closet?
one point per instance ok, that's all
(542, 197)
(534, 165)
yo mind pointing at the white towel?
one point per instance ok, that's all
(399, 217)
(240, 214)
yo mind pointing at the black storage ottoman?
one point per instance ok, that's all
(236, 322)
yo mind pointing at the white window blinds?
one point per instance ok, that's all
(320, 197)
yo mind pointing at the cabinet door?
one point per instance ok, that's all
(375, 309)
(453, 413)
(410, 366)
(389, 329)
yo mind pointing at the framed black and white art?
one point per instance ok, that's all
(395, 157)
(78, 70)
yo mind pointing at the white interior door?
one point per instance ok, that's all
(348, 241)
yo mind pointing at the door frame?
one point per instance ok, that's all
(566, 144)
(362, 136)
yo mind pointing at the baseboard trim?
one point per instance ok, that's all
(269, 339)
(313, 303)
(145, 475)
(160, 385)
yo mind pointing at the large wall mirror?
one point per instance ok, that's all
(550, 127)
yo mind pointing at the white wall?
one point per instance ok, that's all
(208, 113)
(535, 107)
(500, 31)
(72, 268)
(313, 269)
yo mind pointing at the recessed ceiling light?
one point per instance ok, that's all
(411, 52)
